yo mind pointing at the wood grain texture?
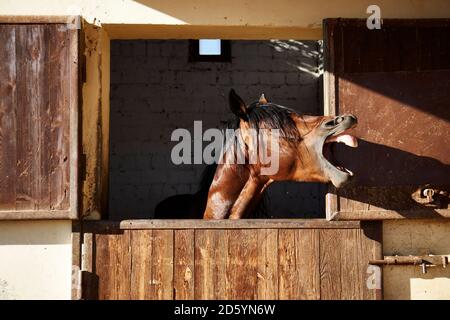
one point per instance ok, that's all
(141, 265)
(8, 128)
(242, 264)
(113, 265)
(235, 263)
(330, 259)
(349, 264)
(211, 255)
(183, 273)
(152, 264)
(227, 224)
(267, 264)
(299, 264)
(38, 136)
(161, 283)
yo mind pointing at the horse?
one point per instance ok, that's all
(302, 150)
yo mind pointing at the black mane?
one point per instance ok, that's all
(273, 116)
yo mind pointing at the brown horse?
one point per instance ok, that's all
(301, 142)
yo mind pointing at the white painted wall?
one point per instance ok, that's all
(35, 259)
(416, 237)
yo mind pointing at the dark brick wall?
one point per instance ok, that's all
(154, 90)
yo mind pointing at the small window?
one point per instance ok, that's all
(209, 47)
(212, 50)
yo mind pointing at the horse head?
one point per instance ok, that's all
(299, 144)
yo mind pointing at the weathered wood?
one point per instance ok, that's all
(234, 263)
(8, 129)
(37, 19)
(211, 255)
(161, 287)
(267, 265)
(141, 264)
(89, 280)
(38, 135)
(184, 264)
(152, 264)
(232, 224)
(350, 264)
(59, 125)
(299, 264)
(330, 259)
(113, 265)
(242, 264)
(76, 266)
(307, 263)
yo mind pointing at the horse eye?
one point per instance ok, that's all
(329, 123)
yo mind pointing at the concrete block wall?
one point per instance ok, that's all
(154, 90)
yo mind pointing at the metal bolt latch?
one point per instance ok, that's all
(424, 261)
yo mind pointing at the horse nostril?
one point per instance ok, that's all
(354, 119)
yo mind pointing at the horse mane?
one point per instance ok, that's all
(273, 116)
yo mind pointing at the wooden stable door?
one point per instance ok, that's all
(38, 120)
(247, 259)
(396, 80)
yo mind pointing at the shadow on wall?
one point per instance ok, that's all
(155, 90)
(393, 176)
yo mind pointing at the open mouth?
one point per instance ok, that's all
(342, 137)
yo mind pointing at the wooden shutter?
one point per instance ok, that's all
(38, 120)
(396, 80)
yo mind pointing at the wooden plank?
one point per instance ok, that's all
(141, 264)
(184, 265)
(307, 263)
(113, 266)
(59, 109)
(28, 45)
(210, 275)
(36, 215)
(74, 92)
(89, 280)
(330, 258)
(371, 248)
(76, 266)
(241, 264)
(229, 224)
(298, 252)
(350, 243)
(35, 19)
(161, 283)
(267, 264)
(288, 280)
(8, 128)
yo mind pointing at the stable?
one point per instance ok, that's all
(88, 103)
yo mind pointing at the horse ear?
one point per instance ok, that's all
(262, 99)
(237, 105)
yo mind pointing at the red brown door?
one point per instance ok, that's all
(396, 80)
